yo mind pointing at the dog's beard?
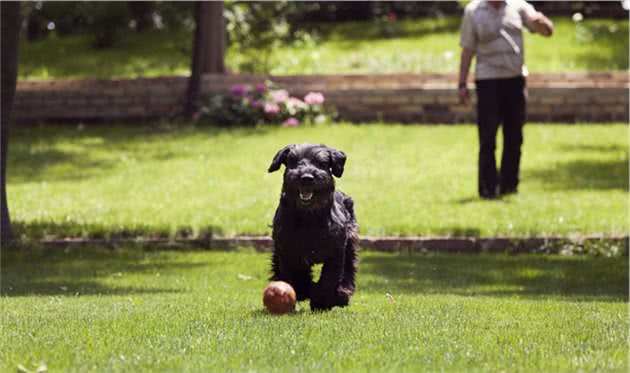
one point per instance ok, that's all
(315, 195)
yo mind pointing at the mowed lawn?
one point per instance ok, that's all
(422, 45)
(138, 310)
(114, 180)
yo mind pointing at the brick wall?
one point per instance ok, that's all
(425, 98)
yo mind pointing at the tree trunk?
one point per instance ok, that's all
(202, 20)
(214, 50)
(10, 17)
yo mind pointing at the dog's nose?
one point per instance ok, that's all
(307, 179)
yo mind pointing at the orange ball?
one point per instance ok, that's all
(279, 297)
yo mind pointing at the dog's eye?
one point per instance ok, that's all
(321, 164)
(291, 162)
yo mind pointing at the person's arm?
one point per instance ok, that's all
(540, 24)
(468, 43)
(534, 20)
(464, 66)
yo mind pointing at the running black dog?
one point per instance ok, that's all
(314, 224)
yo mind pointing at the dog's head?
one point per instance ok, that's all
(308, 174)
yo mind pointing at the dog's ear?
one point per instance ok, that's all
(338, 161)
(280, 158)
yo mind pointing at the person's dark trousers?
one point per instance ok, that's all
(500, 101)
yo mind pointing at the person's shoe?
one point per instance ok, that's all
(487, 194)
(507, 191)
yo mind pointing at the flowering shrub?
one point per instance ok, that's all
(262, 103)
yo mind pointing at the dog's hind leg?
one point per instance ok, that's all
(350, 266)
(351, 262)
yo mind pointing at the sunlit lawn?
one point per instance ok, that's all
(133, 310)
(138, 180)
(138, 309)
(427, 45)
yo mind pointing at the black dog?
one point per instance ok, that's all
(314, 224)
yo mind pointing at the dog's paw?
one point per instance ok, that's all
(320, 305)
(323, 301)
(320, 299)
(343, 297)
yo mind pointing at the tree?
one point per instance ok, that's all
(208, 49)
(214, 49)
(10, 17)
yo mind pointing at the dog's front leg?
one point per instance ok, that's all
(302, 281)
(325, 294)
(299, 276)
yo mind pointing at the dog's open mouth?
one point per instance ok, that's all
(306, 195)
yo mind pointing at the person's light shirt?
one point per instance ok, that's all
(496, 37)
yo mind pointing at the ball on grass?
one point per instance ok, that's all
(279, 297)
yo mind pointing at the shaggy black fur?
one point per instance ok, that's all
(314, 224)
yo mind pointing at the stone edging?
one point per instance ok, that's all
(514, 245)
(412, 98)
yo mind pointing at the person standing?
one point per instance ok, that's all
(492, 31)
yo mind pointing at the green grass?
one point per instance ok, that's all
(406, 180)
(133, 310)
(146, 54)
(426, 45)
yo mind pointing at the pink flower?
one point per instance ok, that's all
(392, 16)
(314, 98)
(279, 96)
(293, 105)
(257, 103)
(238, 90)
(291, 122)
(272, 108)
(293, 101)
(261, 88)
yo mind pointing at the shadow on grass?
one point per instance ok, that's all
(36, 151)
(610, 171)
(477, 199)
(458, 231)
(615, 43)
(74, 288)
(612, 148)
(135, 54)
(539, 277)
(76, 272)
(302, 310)
(29, 166)
(584, 174)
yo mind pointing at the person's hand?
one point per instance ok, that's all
(541, 24)
(464, 95)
